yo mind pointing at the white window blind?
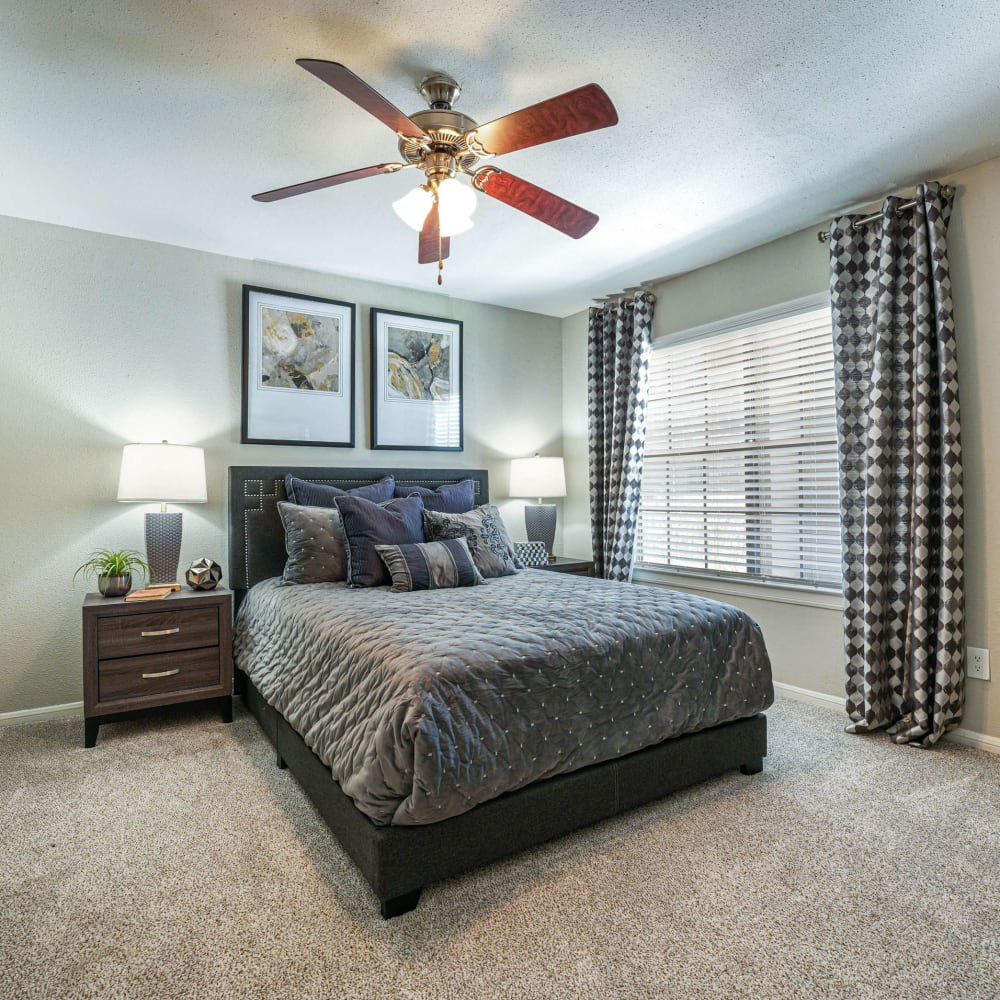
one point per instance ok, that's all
(740, 475)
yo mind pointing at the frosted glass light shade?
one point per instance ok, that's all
(456, 203)
(162, 473)
(413, 207)
(537, 477)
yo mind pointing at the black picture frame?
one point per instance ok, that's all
(398, 424)
(321, 409)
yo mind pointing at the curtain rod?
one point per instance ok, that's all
(648, 297)
(824, 234)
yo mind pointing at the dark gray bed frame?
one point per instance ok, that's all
(398, 861)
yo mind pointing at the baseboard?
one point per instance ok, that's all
(813, 697)
(978, 741)
(964, 737)
(69, 710)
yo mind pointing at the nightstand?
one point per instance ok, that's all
(152, 653)
(578, 567)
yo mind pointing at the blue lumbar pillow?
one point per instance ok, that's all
(430, 565)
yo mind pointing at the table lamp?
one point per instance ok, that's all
(162, 473)
(539, 477)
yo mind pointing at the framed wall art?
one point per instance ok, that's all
(416, 382)
(298, 369)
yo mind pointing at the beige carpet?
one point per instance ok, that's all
(174, 861)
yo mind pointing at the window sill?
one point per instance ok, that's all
(777, 593)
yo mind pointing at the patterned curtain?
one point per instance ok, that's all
(900, 469)
(617, 370)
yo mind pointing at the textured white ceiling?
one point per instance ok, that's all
(740, 121)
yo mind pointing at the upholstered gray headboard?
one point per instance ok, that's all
(256, 536)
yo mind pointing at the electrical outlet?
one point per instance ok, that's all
(977, 663)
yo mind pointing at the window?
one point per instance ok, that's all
(740, 476)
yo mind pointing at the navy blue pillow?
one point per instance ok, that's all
(452, 498)
(308, 494)
(430, 565)
(367, 524)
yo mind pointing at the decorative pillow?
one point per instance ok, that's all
(315, 543)
(484, 530)
(430, 565)
(302, 492)
(367, 524)
(531, 553)
(452, 498)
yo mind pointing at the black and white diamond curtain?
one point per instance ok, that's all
(900, 468)
(617, 373)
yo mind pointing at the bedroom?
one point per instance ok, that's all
(174, 851)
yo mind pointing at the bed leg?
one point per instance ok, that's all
(399, 905)
(754, 766)
(279, 760)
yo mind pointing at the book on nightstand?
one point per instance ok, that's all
(149, 594)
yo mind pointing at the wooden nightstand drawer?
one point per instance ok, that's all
(139, 656)
(157, 632)
(140, 676)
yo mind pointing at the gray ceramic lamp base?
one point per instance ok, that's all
(540, 524)
(163, 546)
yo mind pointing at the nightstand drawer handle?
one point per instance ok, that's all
(163, 673)
(161, 631)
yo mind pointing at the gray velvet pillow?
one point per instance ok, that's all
(315, 543)
(484, 531)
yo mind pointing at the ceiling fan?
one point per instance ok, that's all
(443, 143)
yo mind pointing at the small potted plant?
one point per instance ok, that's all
(113, 569)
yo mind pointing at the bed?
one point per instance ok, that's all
(439, 731)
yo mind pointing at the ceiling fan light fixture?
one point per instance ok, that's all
(441, 142)
(413, 207)
(456, 203)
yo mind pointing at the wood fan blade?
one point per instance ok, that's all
(535, 201)
(433, 246)
(355, 89)
(324, 182)
(582, 110)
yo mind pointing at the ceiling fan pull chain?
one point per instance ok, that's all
(437, 205)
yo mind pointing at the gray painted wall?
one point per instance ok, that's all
(109, 340)
(805, 639)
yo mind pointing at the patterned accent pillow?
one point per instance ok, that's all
(484, 530)
(531, 554)
(315, 543)
(367, 524)
(429, 565)
(301, 491)
(452, 498)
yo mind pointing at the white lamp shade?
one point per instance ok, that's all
(537, 477)
(162, 473)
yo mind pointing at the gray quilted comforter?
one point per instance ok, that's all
(425, 704)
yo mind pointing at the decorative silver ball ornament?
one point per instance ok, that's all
(203, 574)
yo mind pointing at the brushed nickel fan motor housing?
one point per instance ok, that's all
(445, 127)
(440, 91)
